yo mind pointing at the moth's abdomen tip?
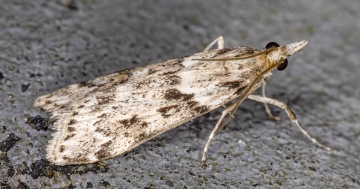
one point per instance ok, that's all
(38, 102)
(293, 48)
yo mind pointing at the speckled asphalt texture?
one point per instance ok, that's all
(46, 45)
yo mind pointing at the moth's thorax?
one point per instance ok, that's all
(229, 59)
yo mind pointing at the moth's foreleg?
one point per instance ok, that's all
(267, 109)
(290, 114)
(220, 42)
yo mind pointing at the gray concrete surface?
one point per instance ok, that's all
(46, 45)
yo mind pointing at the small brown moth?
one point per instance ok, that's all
(113, 114)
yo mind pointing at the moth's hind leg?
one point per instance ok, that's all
(226, 115)
(267, 109)
(220, 42)
(290, 114)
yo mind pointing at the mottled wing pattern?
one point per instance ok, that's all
(112, 114)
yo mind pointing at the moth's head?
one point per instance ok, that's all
(278, 56)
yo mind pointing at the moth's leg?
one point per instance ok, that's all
(226, 115)
(267, 109)
(290, 114)
(220, 42)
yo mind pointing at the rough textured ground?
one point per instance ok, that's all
(46, 45)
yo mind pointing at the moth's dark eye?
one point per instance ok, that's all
(283, 65)
(272, 44)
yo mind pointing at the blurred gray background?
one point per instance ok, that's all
(46, 45)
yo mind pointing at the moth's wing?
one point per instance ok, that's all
(112, 114)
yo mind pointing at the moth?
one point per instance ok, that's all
(113, 114)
